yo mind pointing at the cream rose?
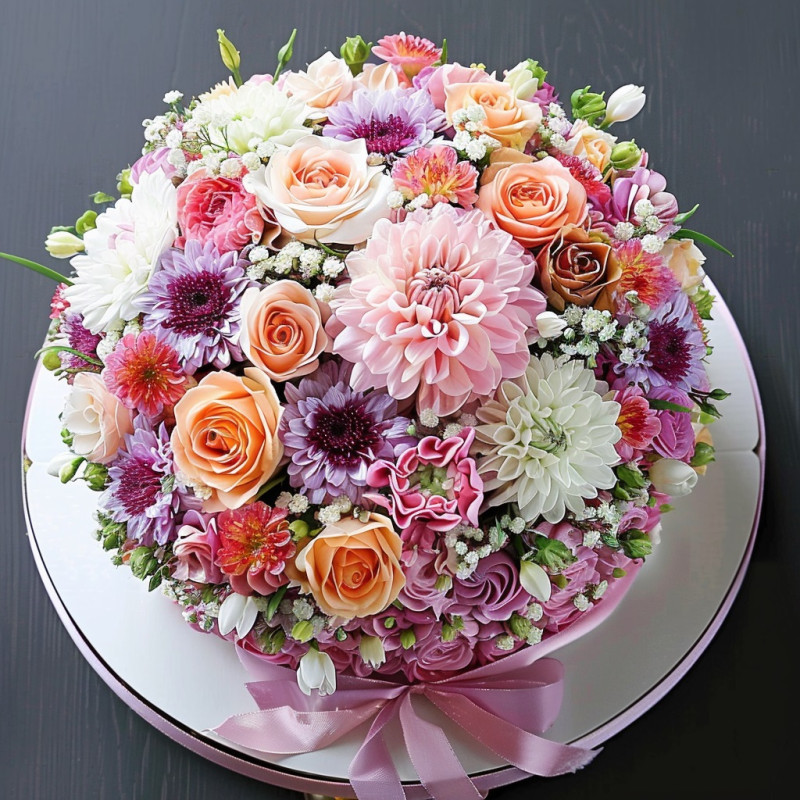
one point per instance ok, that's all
(377, 78)
(323, 188)
(533, 201)
(328, 80)
(508, 119)
(282, 331)
(686, 260)
(95, 418)
(352, 568)
(592, 144)
(225, 436)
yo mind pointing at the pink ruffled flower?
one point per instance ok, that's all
(196, 549)
(217, 209)
(638, 422)
(407, 53)
(420, 592)
(439, 305)
(437, 172)
(436, 482)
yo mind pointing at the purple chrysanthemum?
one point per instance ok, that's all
(332, 433)
(80, 339)
(192, 303)
(675, 351)
(392, 123)
(143, 491)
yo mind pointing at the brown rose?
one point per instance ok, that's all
(352, 568)
(579, 268)
(225, 436)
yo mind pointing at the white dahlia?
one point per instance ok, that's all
(122, 251)
(253, 111)
(547, 440)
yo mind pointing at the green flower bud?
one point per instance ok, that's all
(228, 53)
(520, 626)
(561, 581)
(587, 105)
(51, 361)
(636, 544)
(86, 222)
(625, 155)
(341, 634)
(272, 640)
(303, 631)
(448, 632)
(631, 475)
(99, 198)
(389, 623)
(703, 454)
(299, 529)
(124, 185)
(67, 471)
(95, 476)
(408, 639)
(142, 562)
(355, 51)
(618, 572)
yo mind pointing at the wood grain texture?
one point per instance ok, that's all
(721, 123)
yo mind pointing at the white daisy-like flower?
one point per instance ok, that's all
(547, 440)
(253, 111)
(122, 251)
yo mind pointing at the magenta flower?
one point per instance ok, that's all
(439, 306)
(641, 184)
(435, 483)
(79, 338)
(675, 438)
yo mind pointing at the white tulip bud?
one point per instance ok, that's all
(673, 477)
(624, 104)
(371, 650)
(63, 244)
(535, 581)
(316, 671)
(550, 325)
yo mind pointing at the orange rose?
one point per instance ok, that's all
(578, 268)
(508, 119)
(534, 201)
(225, 436)
(352, 568)
(282, 331)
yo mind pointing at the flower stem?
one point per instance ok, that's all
(40, 268)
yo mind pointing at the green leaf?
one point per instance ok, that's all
(681, 218)
(703, 301)
(58, 348)
(40, 268)
(665, 405)
(631, 476)
(101, 197)
(275, 601)
(703, 454)
(552, 553)
(701, 238)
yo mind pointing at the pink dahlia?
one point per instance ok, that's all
(408, 53)
(437, 172)
(645, 273)
(439, 306)
(638, 422)
(145, 374)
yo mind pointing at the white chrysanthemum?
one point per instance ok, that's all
(122, 251)
(253, 111)
(547, 440)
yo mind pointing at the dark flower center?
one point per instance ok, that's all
(138, 488)
(385, 136)
(669, 350)
(198, 304)
(344, 434)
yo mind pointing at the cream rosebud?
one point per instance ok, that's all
(624, 104)
(673, 477)
(550, 325)
(535, 581)
(316, 671)
(63, 244)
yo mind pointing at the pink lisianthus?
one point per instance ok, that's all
(638, 422)
(217, 209)
(196, 549)
(437, 172)
(439, 305)
(440, 78)
(436, 482)
(407, 53)
(420, 592)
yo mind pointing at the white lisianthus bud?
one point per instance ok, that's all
(535, 581)
(237, 611)
(550, 325)
(673, 477)
(316, 671)
(624, 104)
(522, 81)
(63, 244)
(371, 650)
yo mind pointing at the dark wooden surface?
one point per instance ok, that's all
(722, 123)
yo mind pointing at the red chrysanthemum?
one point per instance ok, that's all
(254, 538)
(645, 273)
(145, 374)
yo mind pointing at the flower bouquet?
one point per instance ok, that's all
(386, 371)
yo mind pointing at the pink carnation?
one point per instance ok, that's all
(217, 209)
(437, 172)
(439, 305)
(638, 422)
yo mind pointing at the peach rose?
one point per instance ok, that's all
(592, 144)
(450, 74)
(508, 119)
(377, 78)
(579, 268)
(534, 201)
(686, 260)
(322, 188)
(97, 421)
(282, 329)
(328, 80)
(352, 568)
(225, 436)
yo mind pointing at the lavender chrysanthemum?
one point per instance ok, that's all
(192, 303)
(675, 350)
(143, 491)
(332, 434)
(392, 123)
(78, 338)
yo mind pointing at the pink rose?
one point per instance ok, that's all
(432, 659)
(196, 549)
(444, 76)
(217, 209)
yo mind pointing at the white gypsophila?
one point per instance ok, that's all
(547, 440)
(122, 251)
(253, 111)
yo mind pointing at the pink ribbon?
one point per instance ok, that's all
(503, 706)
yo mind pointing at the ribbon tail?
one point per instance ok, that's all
(532, 754)
(433, 758)
(372, 772)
